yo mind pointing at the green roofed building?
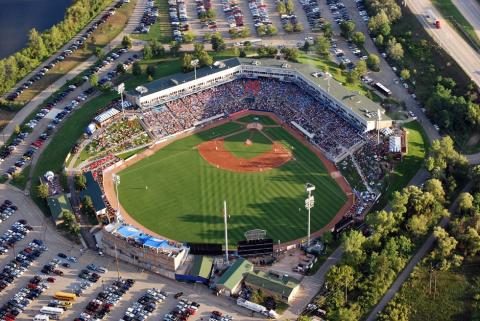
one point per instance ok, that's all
(202, 267)
(57, 204)
(229, 283)
(273, 284)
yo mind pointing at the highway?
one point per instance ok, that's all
(448, 38)
(470, 9)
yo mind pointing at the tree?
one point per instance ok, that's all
(211, 14)
(327, 29)
(443, 254)
(281, 8)
(352, 77)
(158, 50)
(127, 42)
(205, 59)
(175, 47)
(379, 40)
(36, 45)
(136, 69)
(418, 225)
(271, 30)
(290, 53)
(187, 62)
(298, 27)
(147, 52)
(353, 246)
(120, 68)
(322, 45)
(93, 80)
(358, 38)
(17, 129)
(70, 222)
(189, 36)
(347, 27)
(288, 27)
(262, 30)
(42, 191)
(99, 53)
(373, 62)
(379, 24)
(218, 43)
(435, 187)
(394, 50)
(289, 6)
(341, 278)
(361, 68)
(465, 202)
(80, 181)
(151, 71)
(472, 241)
(405, 74)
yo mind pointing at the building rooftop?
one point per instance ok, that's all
(360, 104)
(202, 266)
(94, 191)
(234, 274)
(57, 204)
(283, 285)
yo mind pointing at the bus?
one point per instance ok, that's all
(65, 296)
(381, 88)
(51, 311)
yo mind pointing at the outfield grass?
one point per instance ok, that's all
(451, 12)
(235, 144)
(182, 195)
(264, 120)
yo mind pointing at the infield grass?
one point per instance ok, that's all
(236, 145)
(179, 195)
(262, 119)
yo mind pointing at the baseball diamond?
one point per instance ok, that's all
(255, 163)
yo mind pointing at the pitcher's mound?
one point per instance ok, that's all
(248, 142)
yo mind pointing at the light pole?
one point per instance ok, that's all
(116, 181)
(309, 203)
(194, 63)
(120, 90)
(226, 229)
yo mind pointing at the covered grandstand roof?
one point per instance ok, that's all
(131, 232)
(202, 266)
(106, 115)
(95, 192)
(361, 105)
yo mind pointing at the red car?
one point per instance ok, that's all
(51, 280)
(58, 272)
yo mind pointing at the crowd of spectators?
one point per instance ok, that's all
(118, 136)
(97, 166)
(332, 133)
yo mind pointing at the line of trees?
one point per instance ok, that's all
(42, 45)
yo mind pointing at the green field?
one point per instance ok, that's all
(264, 120)
(236, 144)
(181, 195)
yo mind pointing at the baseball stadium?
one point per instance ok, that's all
(251, 140)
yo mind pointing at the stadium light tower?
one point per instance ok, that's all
(309, 203)
(226, 229)
(116, 181)
(120, 90)
(194, 63)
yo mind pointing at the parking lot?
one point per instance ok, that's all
(43, 231)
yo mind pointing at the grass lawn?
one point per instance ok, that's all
(21, 179)
(161, 30)
(131, 153)
(187, 193)
(452, 300)
(235, 144)
(412, 162)
(264, 120)
(455, 17)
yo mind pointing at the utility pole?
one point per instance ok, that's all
(226, 229)
(120, 90)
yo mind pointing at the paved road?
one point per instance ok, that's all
(449, 39)
(470, 9)
(37, 100)
(425, 249)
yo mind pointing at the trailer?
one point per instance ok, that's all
(257, 308)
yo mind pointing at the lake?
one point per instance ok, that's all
(17, 17)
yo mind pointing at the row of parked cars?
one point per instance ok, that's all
(150, 15)
(77, 44)
(339, 11)
(313, 13)
(7, 209)
(177, 10)
(182, 311)
(17, 232)
(233, 13)
(202, 8)
(106, 300)
(21, 263)
(362, 10)
(259, 12)
(144, 306)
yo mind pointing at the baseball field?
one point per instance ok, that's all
(253, 163)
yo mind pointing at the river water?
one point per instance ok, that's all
(17, 17)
